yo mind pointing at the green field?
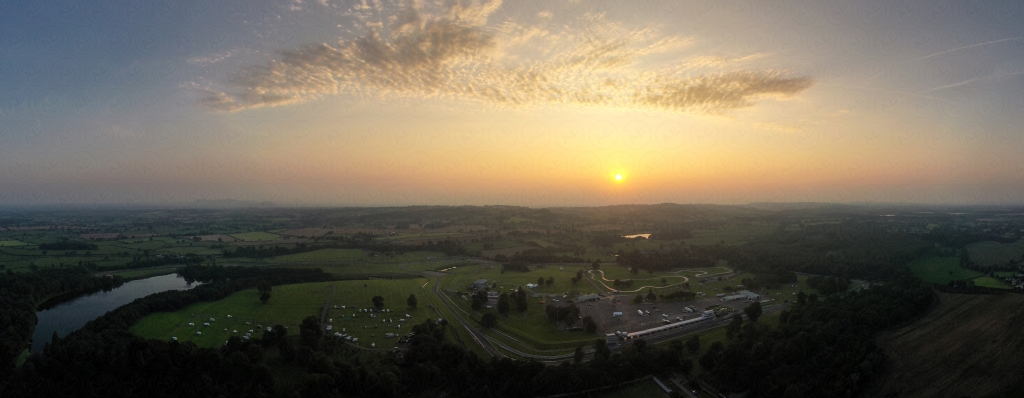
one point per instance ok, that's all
(644, 388)
(11, 243)
(941, 270)
(290, 304)
(255, 236)
(994, 253)
(495, 244)
(146, 272)
(357, 256)
(988, 281)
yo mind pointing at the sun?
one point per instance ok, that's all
(618, 177)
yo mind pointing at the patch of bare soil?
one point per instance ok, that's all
(968, 346)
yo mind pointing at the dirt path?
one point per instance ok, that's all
(323, 312)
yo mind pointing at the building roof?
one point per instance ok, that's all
(478, 281)
(588, 297)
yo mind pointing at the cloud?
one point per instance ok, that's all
(451, 52)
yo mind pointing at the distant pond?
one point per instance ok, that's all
(68, 317)
(645, 236)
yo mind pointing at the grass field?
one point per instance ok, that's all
(146, 272)
(356, 255)
(11, 243)
(290, 304)
(255, 236)
(941, 270)
(495, 244)
(640, 389)
(993, 253)
(969, 345)
(988, 281)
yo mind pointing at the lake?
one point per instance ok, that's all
(72, 315)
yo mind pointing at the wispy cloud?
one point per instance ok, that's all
(451, 52)
(969, 81)
(969, 46)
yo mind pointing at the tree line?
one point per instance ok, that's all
(22, 293)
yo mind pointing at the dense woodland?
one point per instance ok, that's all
(820, 348)
(22, 293)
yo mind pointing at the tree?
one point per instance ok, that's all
(540, 281)
(589, 324)
(551, 280)
(753, 311)
(489, 320)
(378, 302)
(595, 265)
(310, 333)
(638, 299)
(664, 281)
(601, 350)
(651, 296)
(801, 298)
(411, 301)
(734, 326)
(264, 286)
(265, 297)
(634, 270)
(577, 356)
(640, 345)
(520, 298)
(503, 305)
(693, 344)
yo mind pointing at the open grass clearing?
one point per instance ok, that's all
(994, 253)
(289, 304)
(357, 255)
(11, 243)
(644, 388)
(988, 281)
(146, 272)
(941, 270)
(255, 236)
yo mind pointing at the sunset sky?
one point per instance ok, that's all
(535, 103)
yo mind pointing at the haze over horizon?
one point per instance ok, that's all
(531, 103)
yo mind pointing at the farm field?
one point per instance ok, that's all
(355, 255)
(946, 353)
(289, 305)
(146, 272)
(995, 253)
(323, 255)
(11, 243)
(255, 236)
(988, 281)
(644, 388)
(941, 270)
(496, 244)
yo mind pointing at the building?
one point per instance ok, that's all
(480, 284)
(742, 295)
(587, 297)
(616, 314)
(531, 285)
